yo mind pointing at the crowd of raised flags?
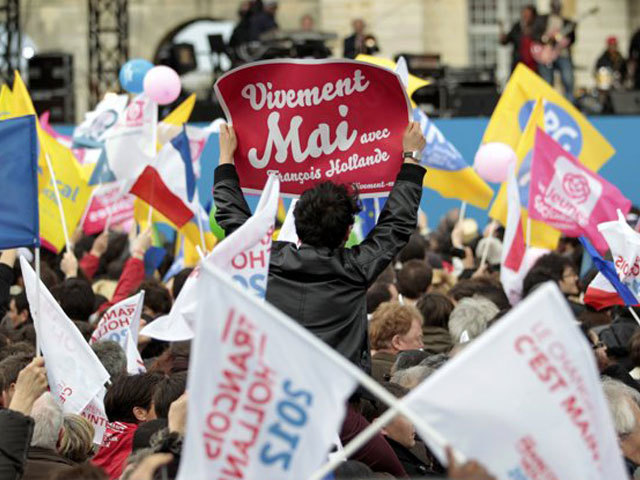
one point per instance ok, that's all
(288, 390)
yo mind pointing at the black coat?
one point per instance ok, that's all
(323, 289)
(14, 442)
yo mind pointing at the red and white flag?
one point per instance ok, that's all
(244, 254)
(514, 248)
(265, 401)
(168, 183)
(121, 324)
(75, 374)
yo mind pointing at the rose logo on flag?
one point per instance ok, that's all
(576, 186)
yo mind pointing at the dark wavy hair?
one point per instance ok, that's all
(324, 214)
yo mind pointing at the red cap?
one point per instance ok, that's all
(612, 40)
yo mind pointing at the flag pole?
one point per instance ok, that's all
(59, 202)
(337, 359)
(485, 251)
(634, 314)
(528, 232)
(354, 445)
(36, 320)
(463, 211)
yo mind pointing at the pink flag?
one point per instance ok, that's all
(566, 195)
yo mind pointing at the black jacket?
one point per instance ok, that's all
(323, 289)
(14, 443)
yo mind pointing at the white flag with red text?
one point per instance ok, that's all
(264, 401)
(121, 323)
(244, 255)
(74, 372)
(94, 412)
(525, 398)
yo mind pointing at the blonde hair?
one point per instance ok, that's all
(391, 319)
(77, 438)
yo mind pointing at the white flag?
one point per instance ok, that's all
(525, 398)
(121, 324)
(131, 145)
(264, 401)
(94, 412)
(75, 374)
(288, 231)
(624, 243)
(98, 122)
(512, 269)
(244, 254)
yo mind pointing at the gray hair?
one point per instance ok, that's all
(112, 357)
(411, 377)
(471, 314)
(494, 249)
(47, 416)
(618, 396)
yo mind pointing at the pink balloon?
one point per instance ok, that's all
(162, 84)
(492, 161)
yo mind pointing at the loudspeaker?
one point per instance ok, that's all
(474, 101)
(625, 103)
(51, 86)
(51, 71)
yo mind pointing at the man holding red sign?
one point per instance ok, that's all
(321, 284)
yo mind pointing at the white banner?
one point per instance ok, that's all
(624, 243)
(121, 324)
(74, 372)
(131, 144)
(264, 402)
(244, 254)
(525, 398)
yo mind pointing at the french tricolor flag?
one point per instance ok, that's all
(514, 248)
(606, 289)
(168, 183)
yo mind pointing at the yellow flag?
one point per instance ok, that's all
(414, 82)
(542, 235)
(21, 104)
(73, 189)
(182, 112)
(563, 122)
(6, 101)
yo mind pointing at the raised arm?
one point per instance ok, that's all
(231, 207)
(399, 216)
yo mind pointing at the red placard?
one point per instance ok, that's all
(310, 121)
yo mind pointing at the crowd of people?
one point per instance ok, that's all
(400, 305)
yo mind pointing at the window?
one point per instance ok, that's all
(484, 48)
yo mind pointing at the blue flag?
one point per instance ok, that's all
(19, 225)
(609, 271)
(181, 143)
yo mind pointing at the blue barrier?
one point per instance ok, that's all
(466, 133)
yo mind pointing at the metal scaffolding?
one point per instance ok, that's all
(108, 45)
(10, 39)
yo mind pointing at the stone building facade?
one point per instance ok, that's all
(435, 26)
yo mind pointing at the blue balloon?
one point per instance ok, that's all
(132, 74)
